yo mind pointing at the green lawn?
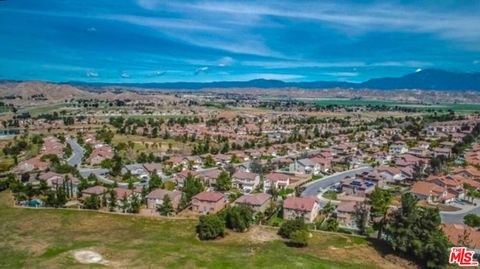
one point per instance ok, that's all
(330, 195)
(45, 238)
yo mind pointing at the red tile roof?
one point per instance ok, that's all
(455, 232)
(209, 196)
(300, 203)
(254, 199)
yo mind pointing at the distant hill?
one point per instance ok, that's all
(428, 79)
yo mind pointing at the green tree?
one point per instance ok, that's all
(416, 232)
(291, 226)
(210, 227)
(112, 203)
(155, 181)
(117, 165)
(92, 202)
(472, 220)
(192, 186)
(380, 200)
(135, 204)
(299, 238)
(238, 218)
(209, 161)
(361, 217)
(125, 204)
(166, 208)
(331, 224)
(223, 182)
(328, 209)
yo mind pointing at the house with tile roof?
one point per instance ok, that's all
(306, 208)
(208, 202)
(258, 202)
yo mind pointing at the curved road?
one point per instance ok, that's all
(77, 153)
(457, 217)
(324, 183)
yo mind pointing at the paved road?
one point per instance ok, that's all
(313, 187)
(457, 217)
(77, 153)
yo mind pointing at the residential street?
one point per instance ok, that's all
(77, 155)
(457, 217)
(324, 183)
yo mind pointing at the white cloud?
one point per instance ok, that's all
(418, 70)
(125, 75)
(159, 73)
(342, 74)
(201, 70)
(92, 74)
(449, 24)
(226, 61)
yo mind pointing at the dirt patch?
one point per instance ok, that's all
(89, 257)
(259, 234)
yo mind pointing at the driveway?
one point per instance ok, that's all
(328, 181)
(77, 153)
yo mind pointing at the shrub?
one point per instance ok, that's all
(238, 218)
(299, 238)
(291, 226)
(210, 227)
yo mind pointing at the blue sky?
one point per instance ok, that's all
(164, 41)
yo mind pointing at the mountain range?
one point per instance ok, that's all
(428, 79)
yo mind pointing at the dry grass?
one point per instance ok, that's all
(47, 238)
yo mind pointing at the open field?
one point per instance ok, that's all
(46, 238)
(362, 102)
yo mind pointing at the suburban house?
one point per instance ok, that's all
(454, 185)
(275, 180)
(33, 164)
(155, 198)
(120, 193)
(137, 170)
(95, 190)
(324, 163)
(346, 214)
(431, 192)
(258, 202)
(208, 202)
(305, 166)
(398, 147)
(153, 167)
(357, 186)
(209, 176)
(245, 181)
(468, 172)
(100, 152)
(445, 152)
(306, 208)
(455, 232)
(68, 182)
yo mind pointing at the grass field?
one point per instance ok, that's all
(46, 238)
(43, 109)
(362, 102)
